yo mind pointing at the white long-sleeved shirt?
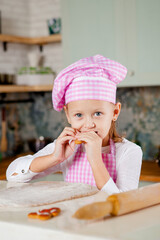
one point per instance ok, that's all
(128, 167)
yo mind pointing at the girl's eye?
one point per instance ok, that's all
(78, 115)
(98, 114)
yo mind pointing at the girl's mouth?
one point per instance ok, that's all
(88, 131)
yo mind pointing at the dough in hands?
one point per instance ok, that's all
(78, 141)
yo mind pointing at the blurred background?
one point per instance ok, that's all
(63, 31)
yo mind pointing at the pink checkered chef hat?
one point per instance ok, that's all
(89, 78)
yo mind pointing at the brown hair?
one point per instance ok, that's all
(113, 134)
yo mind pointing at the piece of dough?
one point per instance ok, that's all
(41, 193)
(78, 141)
(41, 216)
(45, 214)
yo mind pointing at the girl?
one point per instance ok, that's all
(87, 92)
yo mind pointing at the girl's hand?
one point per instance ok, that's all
(93, 144)
(63, 149)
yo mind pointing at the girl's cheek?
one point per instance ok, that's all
(75, 126)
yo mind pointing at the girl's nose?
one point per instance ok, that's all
(89, 124)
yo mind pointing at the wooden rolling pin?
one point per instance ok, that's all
(122, 203)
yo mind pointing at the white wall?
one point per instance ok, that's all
(28, 18)
(40, 12)
(15, 17)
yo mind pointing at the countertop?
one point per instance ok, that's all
(150, 170)
(139, 225)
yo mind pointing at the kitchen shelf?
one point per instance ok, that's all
(29, 40)
(24, 88)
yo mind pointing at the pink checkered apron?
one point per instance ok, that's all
(81, 172)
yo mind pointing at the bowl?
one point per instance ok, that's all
(36, 144)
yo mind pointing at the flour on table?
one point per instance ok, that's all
(41, 193)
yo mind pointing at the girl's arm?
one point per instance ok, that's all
(19, 170)
(101, 174)
(128, 165)
(103, 180)
(40, 164)
(45, 161)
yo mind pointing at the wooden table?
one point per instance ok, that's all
(150, 170)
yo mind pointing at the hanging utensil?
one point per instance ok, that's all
(3, 142)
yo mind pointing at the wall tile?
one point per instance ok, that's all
(139, 117)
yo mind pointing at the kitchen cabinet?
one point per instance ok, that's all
(137, 41)
(124, 30)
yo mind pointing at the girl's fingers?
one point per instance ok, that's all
(66, 138)
(77, 131)
(86, 136)
(72, 145)
(67, 132)
(69, 128)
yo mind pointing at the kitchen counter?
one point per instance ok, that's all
(139, 225)
(150, 170)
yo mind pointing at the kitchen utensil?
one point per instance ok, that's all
(33, 59)
(37, 144)
(6, 79)
(3, 143)
(121, 203)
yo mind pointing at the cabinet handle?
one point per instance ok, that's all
(131, 73)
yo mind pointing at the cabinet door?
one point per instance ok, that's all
(124, 30)
(139, 22)
(88, 28)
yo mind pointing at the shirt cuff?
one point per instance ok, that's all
(23, 166)
(22, 169)
(110, 187)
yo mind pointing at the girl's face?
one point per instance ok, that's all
(92, 115)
